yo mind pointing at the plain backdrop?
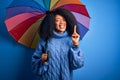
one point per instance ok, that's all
(100, 46)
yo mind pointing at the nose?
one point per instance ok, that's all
(61, 21)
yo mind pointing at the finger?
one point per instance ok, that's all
(75, 35)
(75, 29)
(45, 54)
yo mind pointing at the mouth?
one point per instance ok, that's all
(62, 26)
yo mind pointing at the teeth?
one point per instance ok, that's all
(62, 26)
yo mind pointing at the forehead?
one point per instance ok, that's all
(59, 16)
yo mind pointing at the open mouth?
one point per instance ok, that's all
(62, 26)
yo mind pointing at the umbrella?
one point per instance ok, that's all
(22, 22)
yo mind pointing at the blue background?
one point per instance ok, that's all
(101, 45)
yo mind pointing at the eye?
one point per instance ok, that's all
(57, 20)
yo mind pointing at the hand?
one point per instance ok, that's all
(75, 37)
(44, 57)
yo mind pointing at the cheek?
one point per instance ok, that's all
(65, 24)
(56, 24)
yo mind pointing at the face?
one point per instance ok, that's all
(60, 24)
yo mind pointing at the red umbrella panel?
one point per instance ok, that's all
(22, 22)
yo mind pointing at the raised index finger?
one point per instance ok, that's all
(75, 29)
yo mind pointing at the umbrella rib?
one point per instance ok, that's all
(41, 8)
(54, 5)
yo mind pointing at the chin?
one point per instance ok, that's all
(62, 30)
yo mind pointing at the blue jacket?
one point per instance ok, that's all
(63, 58)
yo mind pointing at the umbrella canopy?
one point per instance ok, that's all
(23, 21)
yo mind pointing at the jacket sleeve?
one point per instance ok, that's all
(38, 67)
(76, 57)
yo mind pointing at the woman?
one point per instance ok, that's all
(58, 52)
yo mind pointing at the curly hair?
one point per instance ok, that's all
(48, 24)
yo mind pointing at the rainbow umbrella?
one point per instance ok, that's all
(22, 22)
